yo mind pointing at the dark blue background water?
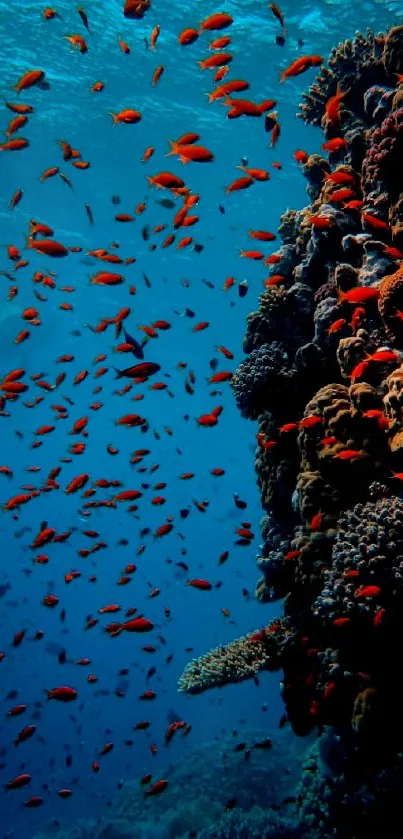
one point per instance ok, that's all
(71, 112)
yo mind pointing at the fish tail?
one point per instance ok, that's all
(174, 148)
(114, 117)
(119, 373)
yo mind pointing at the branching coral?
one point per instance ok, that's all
(353, 63)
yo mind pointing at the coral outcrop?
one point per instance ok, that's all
(324, 379)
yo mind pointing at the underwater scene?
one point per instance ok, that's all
(201, 415)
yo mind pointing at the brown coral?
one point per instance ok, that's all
(390, 304)
(393, 407)
(392, 56)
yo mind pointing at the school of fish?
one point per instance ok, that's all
(131, 352)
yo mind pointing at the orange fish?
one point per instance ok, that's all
(220, 43)
(29, 79)
(147, 154)
(17, 144)
(123, 46)
(332, 107)
(336, 326)
(219, 20)
(77, 41)
(240, 183)
(214, 61)
(277, 13)
(221, 73)
(300, 65)
(128, 117)
(234, 86)
(16, 198)
(157, 74)
(256, 174)
(188, 36)
(165, 180)
(154, 36)
(186, 152)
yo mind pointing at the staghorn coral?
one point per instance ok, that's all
(239, 660)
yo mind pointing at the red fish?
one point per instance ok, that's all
(62, 694)
(203, 585)
(157, 788)
(368, 591)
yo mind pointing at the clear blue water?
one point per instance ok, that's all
(69, 111)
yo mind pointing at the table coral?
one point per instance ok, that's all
(239, 660)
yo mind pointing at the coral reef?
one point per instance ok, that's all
(254, 799)
(324, 379)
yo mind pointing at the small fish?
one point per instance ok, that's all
(137, 349)
(167, 203)
(89, 213)
(83, 17)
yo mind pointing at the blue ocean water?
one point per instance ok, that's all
(177, 280)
